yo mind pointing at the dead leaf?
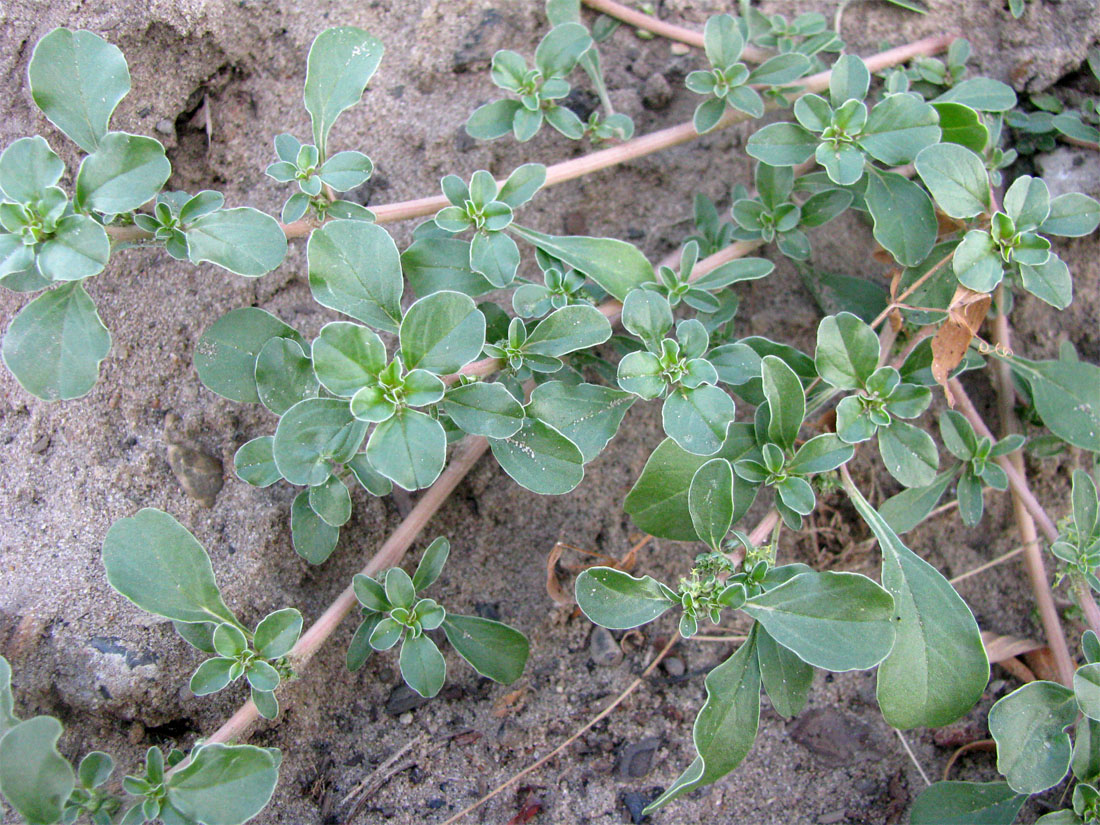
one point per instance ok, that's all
(558, 593)
(1041, 661)
(987, 745)
(964, 318)
(510, 702)
(998, 648)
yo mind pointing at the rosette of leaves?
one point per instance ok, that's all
(53, 240)
(807, 34)
(157, 564)
(538, 89)
(218, 785)
(773, 216)
(561, 286)
(699, 293)
(302, 163)
(713, 233)
(1078, 545)
(728, 82)
(394, 611)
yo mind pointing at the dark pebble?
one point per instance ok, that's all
(436, 803)
(403, 699)
(637, 758)
(603, 648)
(635, 802)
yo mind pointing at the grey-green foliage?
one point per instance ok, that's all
(52, 240)
(219, 785)
(393, 611)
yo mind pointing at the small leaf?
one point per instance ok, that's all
(589, 415)
(619, 601)
(439, 264)
(359, 649)
(847, 351)
(284, 375)
(849, 79)
(905, 220)
(560, 49)
(7, 702)
(312, 435)
(243, 240)
(277, 632)
(493, 649)
(225, 357)
(313, 539)
(442, 332)
(78, 249)
(522, 184)
(786, 401)
(55, 345)
(28, 168)
(224, 784)
(331, 501)
(1067, 398)
(567, 330)
(484, 409)
(540, 458)
(355, 268)
(340, 64)
(909, 454)
(710, 501)
(493, 120)
(124, 172)
(95, 769)
(786, 678)
(1033, 749)
(898, 128)
(422, 665)
(77, 79)
(967, 803)
(782, 144)
(346, 170)
(820, 454)
(409, 449)
(35, 779)
(983, 94)
(431, 564)
(1050, 281)
(211, 676)
(957, 179)
(347, 357)
(962, 125)
(156, 563)
(1072, 215)
(911, 506)
(697, 419)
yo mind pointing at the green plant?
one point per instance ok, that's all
(376, 401)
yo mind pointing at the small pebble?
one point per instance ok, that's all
(657, 93)
(436, 803)
(200, 475)
(637, 758)
(41, 444)
(674, 666)
(680, 49)
(165, 126)
(402, 700)
(603, 648)
(405, 718)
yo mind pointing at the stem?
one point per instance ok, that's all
(1086, 602)
(912, 288)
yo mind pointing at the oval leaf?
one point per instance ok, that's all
(619, 601)
(493, 649)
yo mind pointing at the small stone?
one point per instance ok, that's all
(136, 733)
(165, 126)
(637, 759)
(436, 803)
(41, 444)
(832, 817)
(402, 700)
(680, 49)
(199, 474)
(635, 803)
(405, 718)
(657, 93)
(603, 648)
(674, 666)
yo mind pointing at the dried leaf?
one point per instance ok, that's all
(510, 702)
(999, 648)
(1041, 661)
(964, 318)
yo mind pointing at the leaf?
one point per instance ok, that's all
(124, 172)
(1029, 726)
(961, 125)
(35, 779)
(615, 265)
(354, 268)
(1072, 215)
(567, 330)
(277, 632)
(7, 703)
(786, 400)
(937, 669)
(619, 601)
(658, 501)
(911, 506)
(431, 564)
(422, 665)
(560, 49)
(331, 500)
(409, 449)
(496, 256)
(540, 458)
(493, 120)
(493, 649)
(967, 803)
(908, 453)
(340, 64)
(522, 184)
(820, 454)
(284, 375)
(787, 679)
(211, 676)
(710, 501)
(225, 784)
(589, 415)
(957, 179)
(983, 94)
(312, 435)
(54, 346)
(1050, 281)
(905, 220)
(438, 264)
(442, 333)
(254, 462)
(77, 79)
(28, 168)
(726, 726)
(847, 351)
(782, 144)
(78, 249)
(965, 316)
(1067, 398)
(697, 419)
(345, 170)
(1086, 750)
(156, 563)
(484, 409)
(243, 240)
(225, 357)
(898, 128)
(314, 540)
(347, 357)
(849, 79)
(835, 621)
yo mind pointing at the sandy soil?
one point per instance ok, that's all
(118, 680)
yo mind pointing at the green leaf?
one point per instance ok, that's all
(937, 670)
(967, 803)
(786, 678)
(522, 184)
(496, 256)
(312, 435)
(224, 784)
(615, 265)
(1086, 687)
(540, 458)
(431, 564)
(341, 62)
(786, 401)
(648, 315)
(1067, 398)
(35, 779)
(211, 676)
(1029, 726)
(905, 219)
(977, 263)
(95, 769)
(409, 449)
(7, 703)
(331, 501)
(243, 240)
(1086, 509)
(347, 357)
(156, 563)
(782, 144)
(567, 330)
(28, 168)
(354, 268)
(619, 601)
(493, 120)
(847, 351)
(983, 94)
(78, 249)
(77, 79)
(422, 665)
(961, 125)
(493, 649)
(911, 506)
(346, 170)
(277, 632)
(957, 179)
(658, 502)
(898, 128)
(369, 479)
(820, 454)
(284, 375)
(1086, 750)
(1050, 281)
(708, 113)
(722, 41)
(710, 501)
(726, 726)
(438, 264)
(1072, 215)
(225, 357)
(254, 462)
(124, 172)
(849, 79)
(589, 415)
(560, 49)
(313, 539)
(908, 453)
(442, 333)
(696, 419)
(484, 409)
(1027, 202)
(835, 621)
(781, 69)
(55, 344)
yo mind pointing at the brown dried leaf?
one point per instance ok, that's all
(510, 702)
(1041, 661)
(964, 318)
(999, 648)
